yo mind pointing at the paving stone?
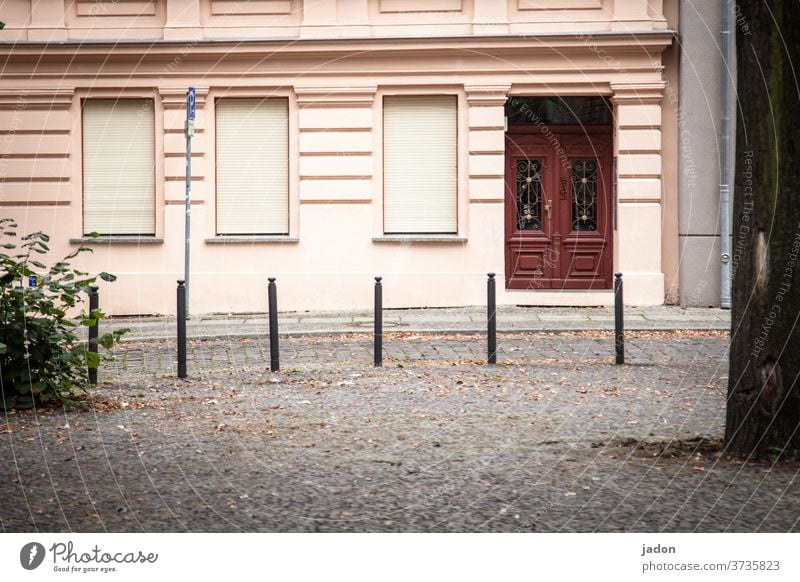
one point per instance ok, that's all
(628, 318)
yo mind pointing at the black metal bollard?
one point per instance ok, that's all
(378, 322)
(181, 317)
(274, 348)
(94, 330)
(619, 327)
(492, 317)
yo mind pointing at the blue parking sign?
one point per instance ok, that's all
(190, 99)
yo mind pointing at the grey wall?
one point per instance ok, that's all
(699, 153)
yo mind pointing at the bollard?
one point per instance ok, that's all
(492, 317)
(94, 331)
(181, 317)
(619, 328)
(378, 322)
(274, 348)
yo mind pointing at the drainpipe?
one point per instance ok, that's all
(725, 149)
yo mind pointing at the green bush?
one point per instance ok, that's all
(42, 359)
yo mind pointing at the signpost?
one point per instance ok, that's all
(190, 114)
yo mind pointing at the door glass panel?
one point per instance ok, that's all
(529, 194)
(584, 195)
(558, 111)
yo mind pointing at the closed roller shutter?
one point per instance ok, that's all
(119, 167)
(419, 164)
(252, 166)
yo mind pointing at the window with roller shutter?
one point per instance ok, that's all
(252, 152)
(119, 167)
(420, 176)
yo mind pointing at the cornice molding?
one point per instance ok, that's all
(36, 98)
(649, 41)
(487, 95)
(638, 93)
(175, 97)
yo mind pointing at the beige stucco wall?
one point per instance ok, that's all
(56, 20)
(669, 153)
(335, 88)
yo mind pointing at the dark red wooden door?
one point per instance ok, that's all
(558, 208)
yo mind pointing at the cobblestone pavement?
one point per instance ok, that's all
(554, 438)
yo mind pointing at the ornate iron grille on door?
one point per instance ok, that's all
(584, 195)
(529, 194)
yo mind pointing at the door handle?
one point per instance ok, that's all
(548, 207)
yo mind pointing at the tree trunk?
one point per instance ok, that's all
(763, 414)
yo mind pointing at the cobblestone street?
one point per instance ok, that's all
(553, 438)
(321, 352)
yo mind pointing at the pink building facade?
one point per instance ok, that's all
(429, 142)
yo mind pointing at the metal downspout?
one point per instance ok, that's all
(725, 149)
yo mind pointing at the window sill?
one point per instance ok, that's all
(252, 239)
(126, 240)
(420, 238)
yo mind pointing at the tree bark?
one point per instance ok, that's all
(763, 412)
